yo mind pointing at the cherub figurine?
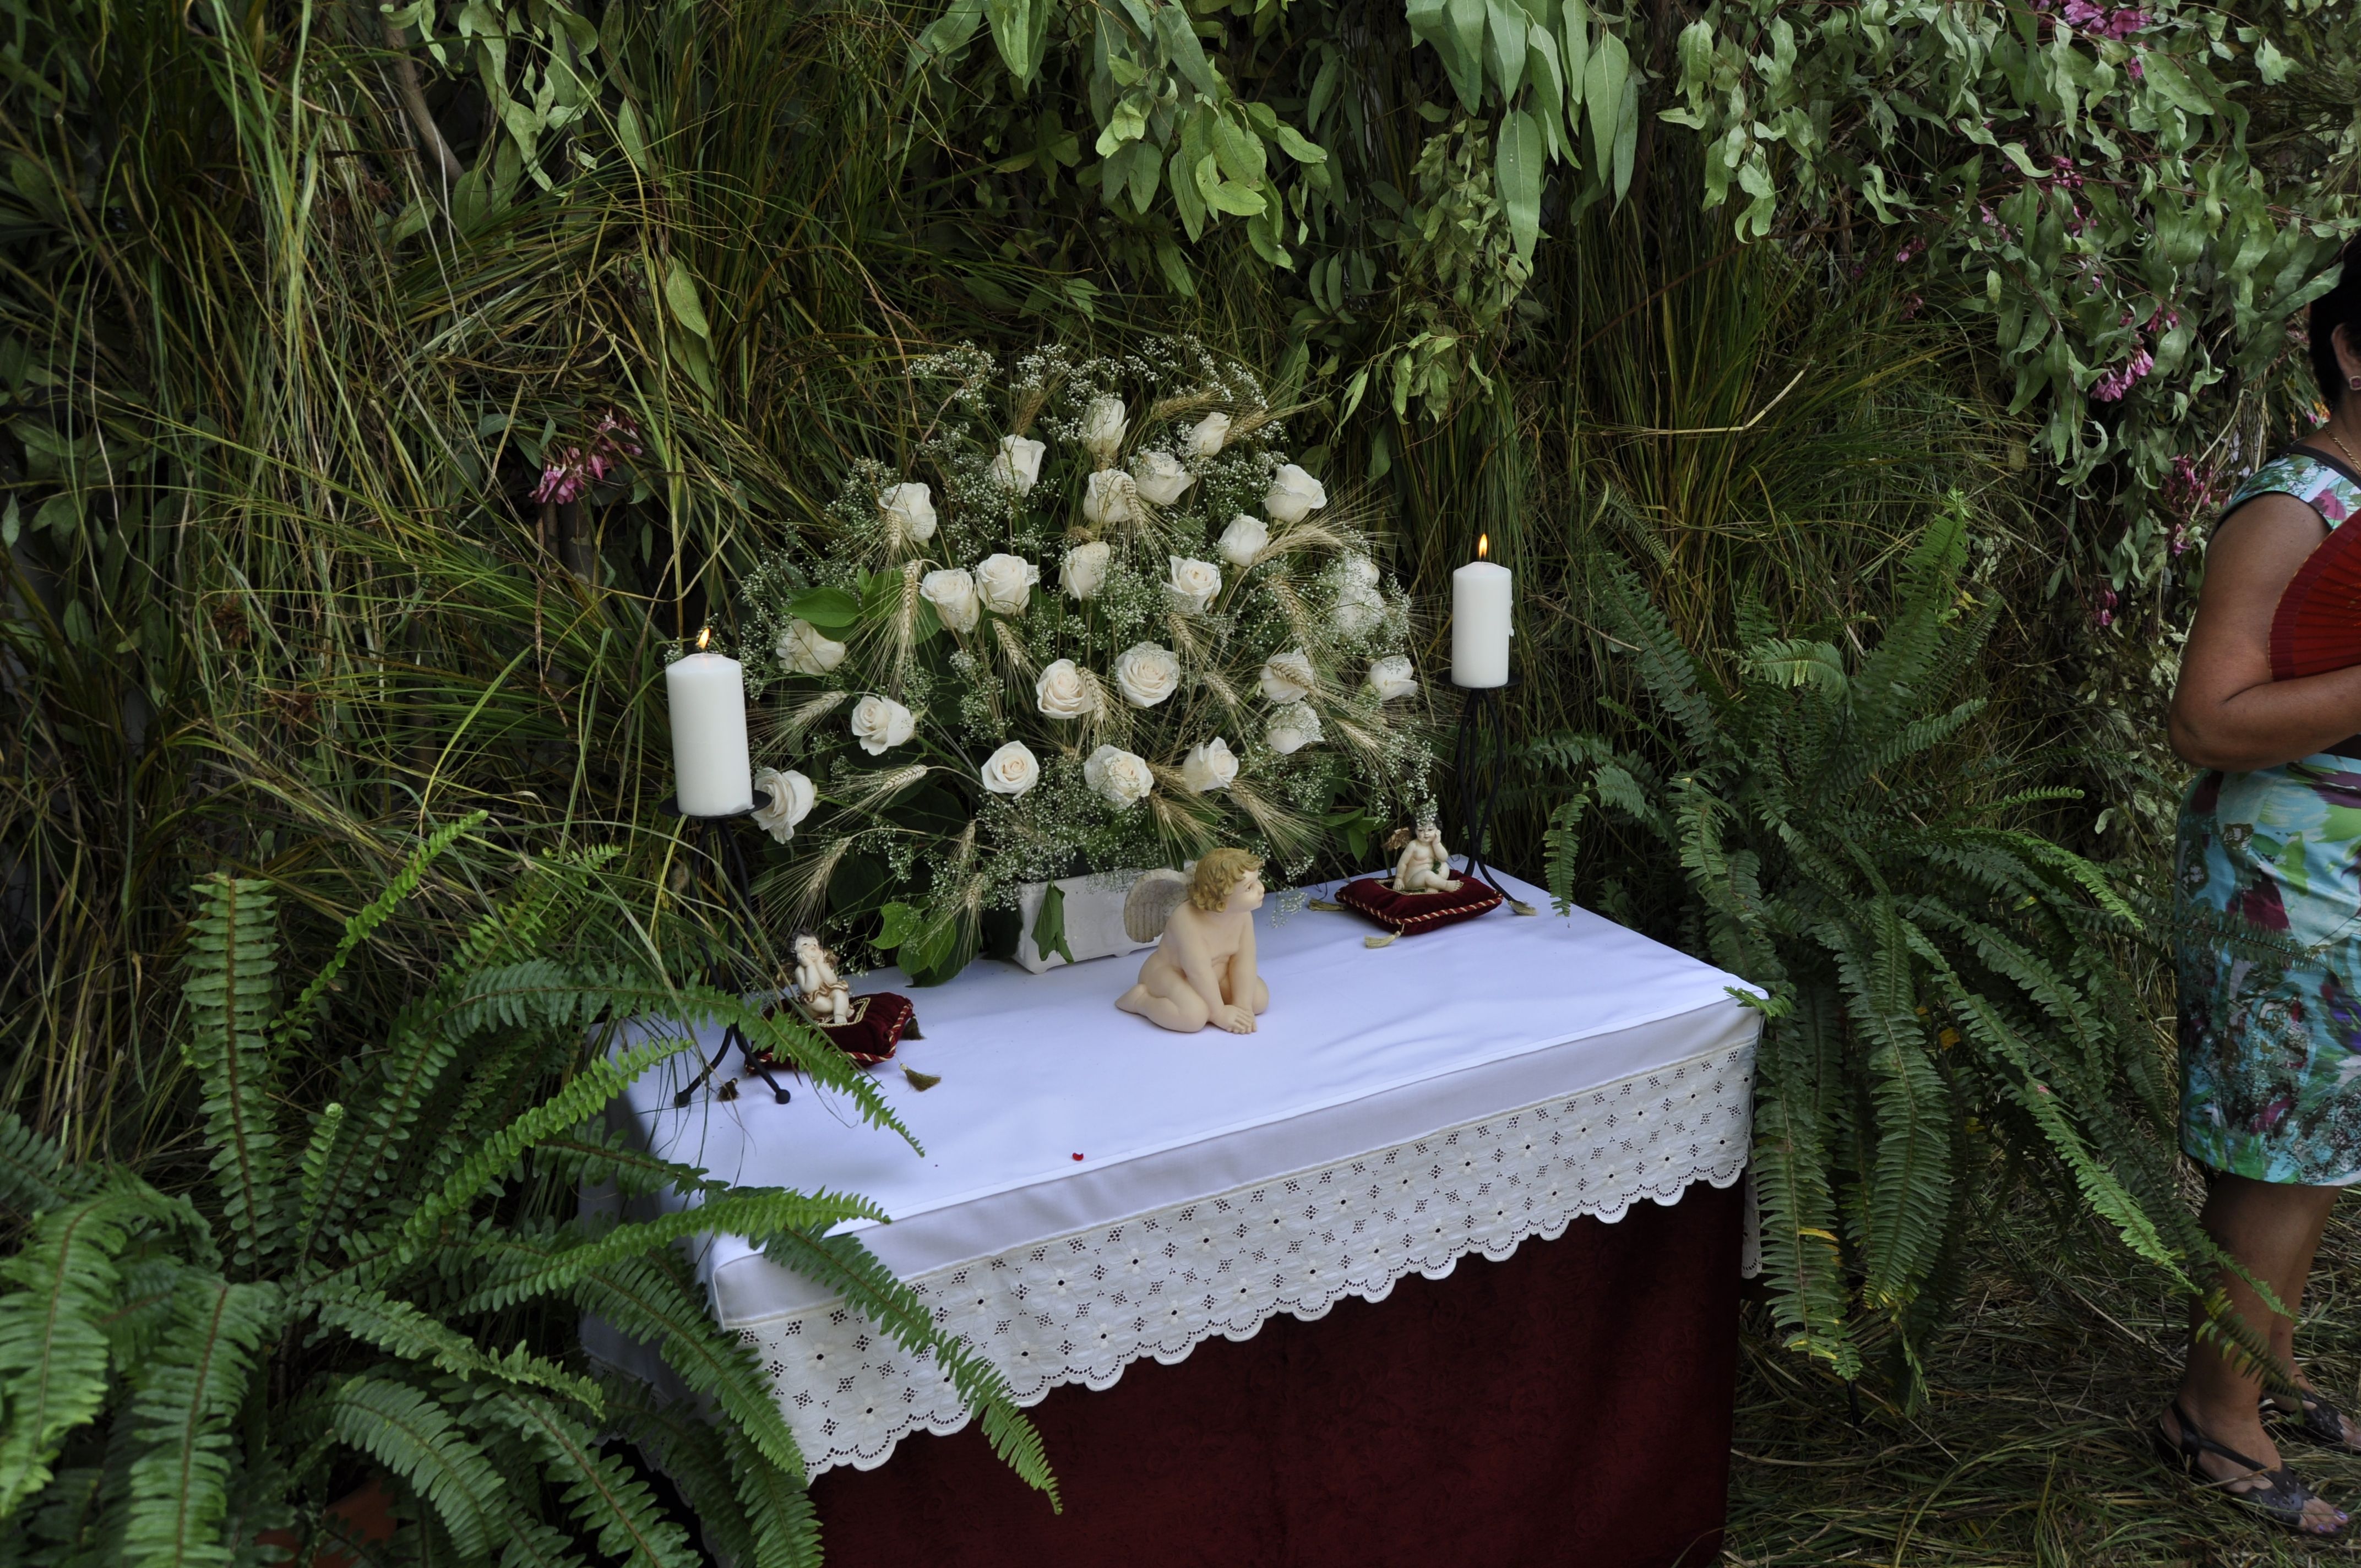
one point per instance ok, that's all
(1202, 971)
(826, 997)
(1425, 864)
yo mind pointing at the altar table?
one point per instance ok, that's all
(1096, 1193)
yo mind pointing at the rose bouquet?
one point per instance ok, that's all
(1102, 624)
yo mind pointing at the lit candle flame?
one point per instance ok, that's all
(1482, 549)
(703, 638)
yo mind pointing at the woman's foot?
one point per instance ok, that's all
(2235, 1457)
(2315, 1416)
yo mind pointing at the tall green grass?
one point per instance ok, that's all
(297, 600)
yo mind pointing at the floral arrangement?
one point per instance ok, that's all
(1102, 624)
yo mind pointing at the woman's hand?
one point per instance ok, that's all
(2227, 712)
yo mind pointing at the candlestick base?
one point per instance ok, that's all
(670, 807)
(1479, 783)
(716, 843)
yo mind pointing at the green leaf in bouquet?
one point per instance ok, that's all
(858, 887)
(1049, 925)
(830, 609)
(897, 923)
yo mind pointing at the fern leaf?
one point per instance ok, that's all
(690, 1451)
(295, 1023)
(232, 969)
(186, 1393)
(778, 1509)
(401, 1329)
(34, 1176)
(53, 1348)
(417, 1440)
(644, 1298)
(870, 1289)
(613, 1504)
(755, 1212)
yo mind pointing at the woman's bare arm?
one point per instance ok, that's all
(2227, 711)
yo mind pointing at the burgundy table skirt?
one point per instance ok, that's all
(1569, 1405)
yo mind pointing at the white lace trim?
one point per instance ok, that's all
(1079, 1307)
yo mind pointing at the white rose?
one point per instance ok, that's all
(1085, 570)
(1160, 477)
(1208, 766)
(1103, 426)
(952, 593)
(1391, 678)
(802, 648)
(1358, 571)
(1146, 674)
(1209, 433)
(909, 511)
(1243, 541)
(1019, 466)
(1011, 770)
(792, 796)
(1120, 778)
(1005, 582)
(1110, 499)
(879, 722)
(1062, 693)
(1289, 676)
(1192, 583)
(1358, 609)
(1294, 495)
(1292, 728)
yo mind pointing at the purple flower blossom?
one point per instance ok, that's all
(568, 475)
(2111, 387)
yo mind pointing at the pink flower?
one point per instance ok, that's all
(2111, 387)
(568, 475)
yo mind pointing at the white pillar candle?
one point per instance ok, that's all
(1480, 622)
(709, 759)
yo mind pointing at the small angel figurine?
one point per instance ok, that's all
(1202, 971)
(1425, 864)
(825, 995)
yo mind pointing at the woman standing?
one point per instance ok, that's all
(2269, 937)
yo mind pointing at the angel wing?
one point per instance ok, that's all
(1150, 902)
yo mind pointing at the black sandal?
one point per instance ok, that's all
(2321, 1421)
(2281, 1501)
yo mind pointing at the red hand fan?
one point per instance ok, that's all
(2317, 627)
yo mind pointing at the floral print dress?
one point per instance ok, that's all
(2267, 937)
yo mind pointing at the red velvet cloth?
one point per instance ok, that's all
(876, 1027)
(1411, 912)
(1569, 1405)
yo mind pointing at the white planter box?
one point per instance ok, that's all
(1094, 919)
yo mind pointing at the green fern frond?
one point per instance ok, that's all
(34, 1176)
(755, 1212)
(842, 1264)
(401, 1329)
(779, 1512)
(295, 1024)
(416, 1440)
(615, 1507)
(54, 1346)
(186, 1394)
(646, 1299)
(692, 1455)
(233, 964)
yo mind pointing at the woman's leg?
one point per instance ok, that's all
(2272, 1228)
(2283, 1331)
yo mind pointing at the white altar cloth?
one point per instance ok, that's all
(1095, 1190)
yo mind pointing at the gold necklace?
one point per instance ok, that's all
(2349, 454)
(2346, 450)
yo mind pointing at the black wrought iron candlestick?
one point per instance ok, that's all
(716, 839)
(1479, 783)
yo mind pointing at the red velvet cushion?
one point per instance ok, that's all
(1411, 913)
(877, 1025)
